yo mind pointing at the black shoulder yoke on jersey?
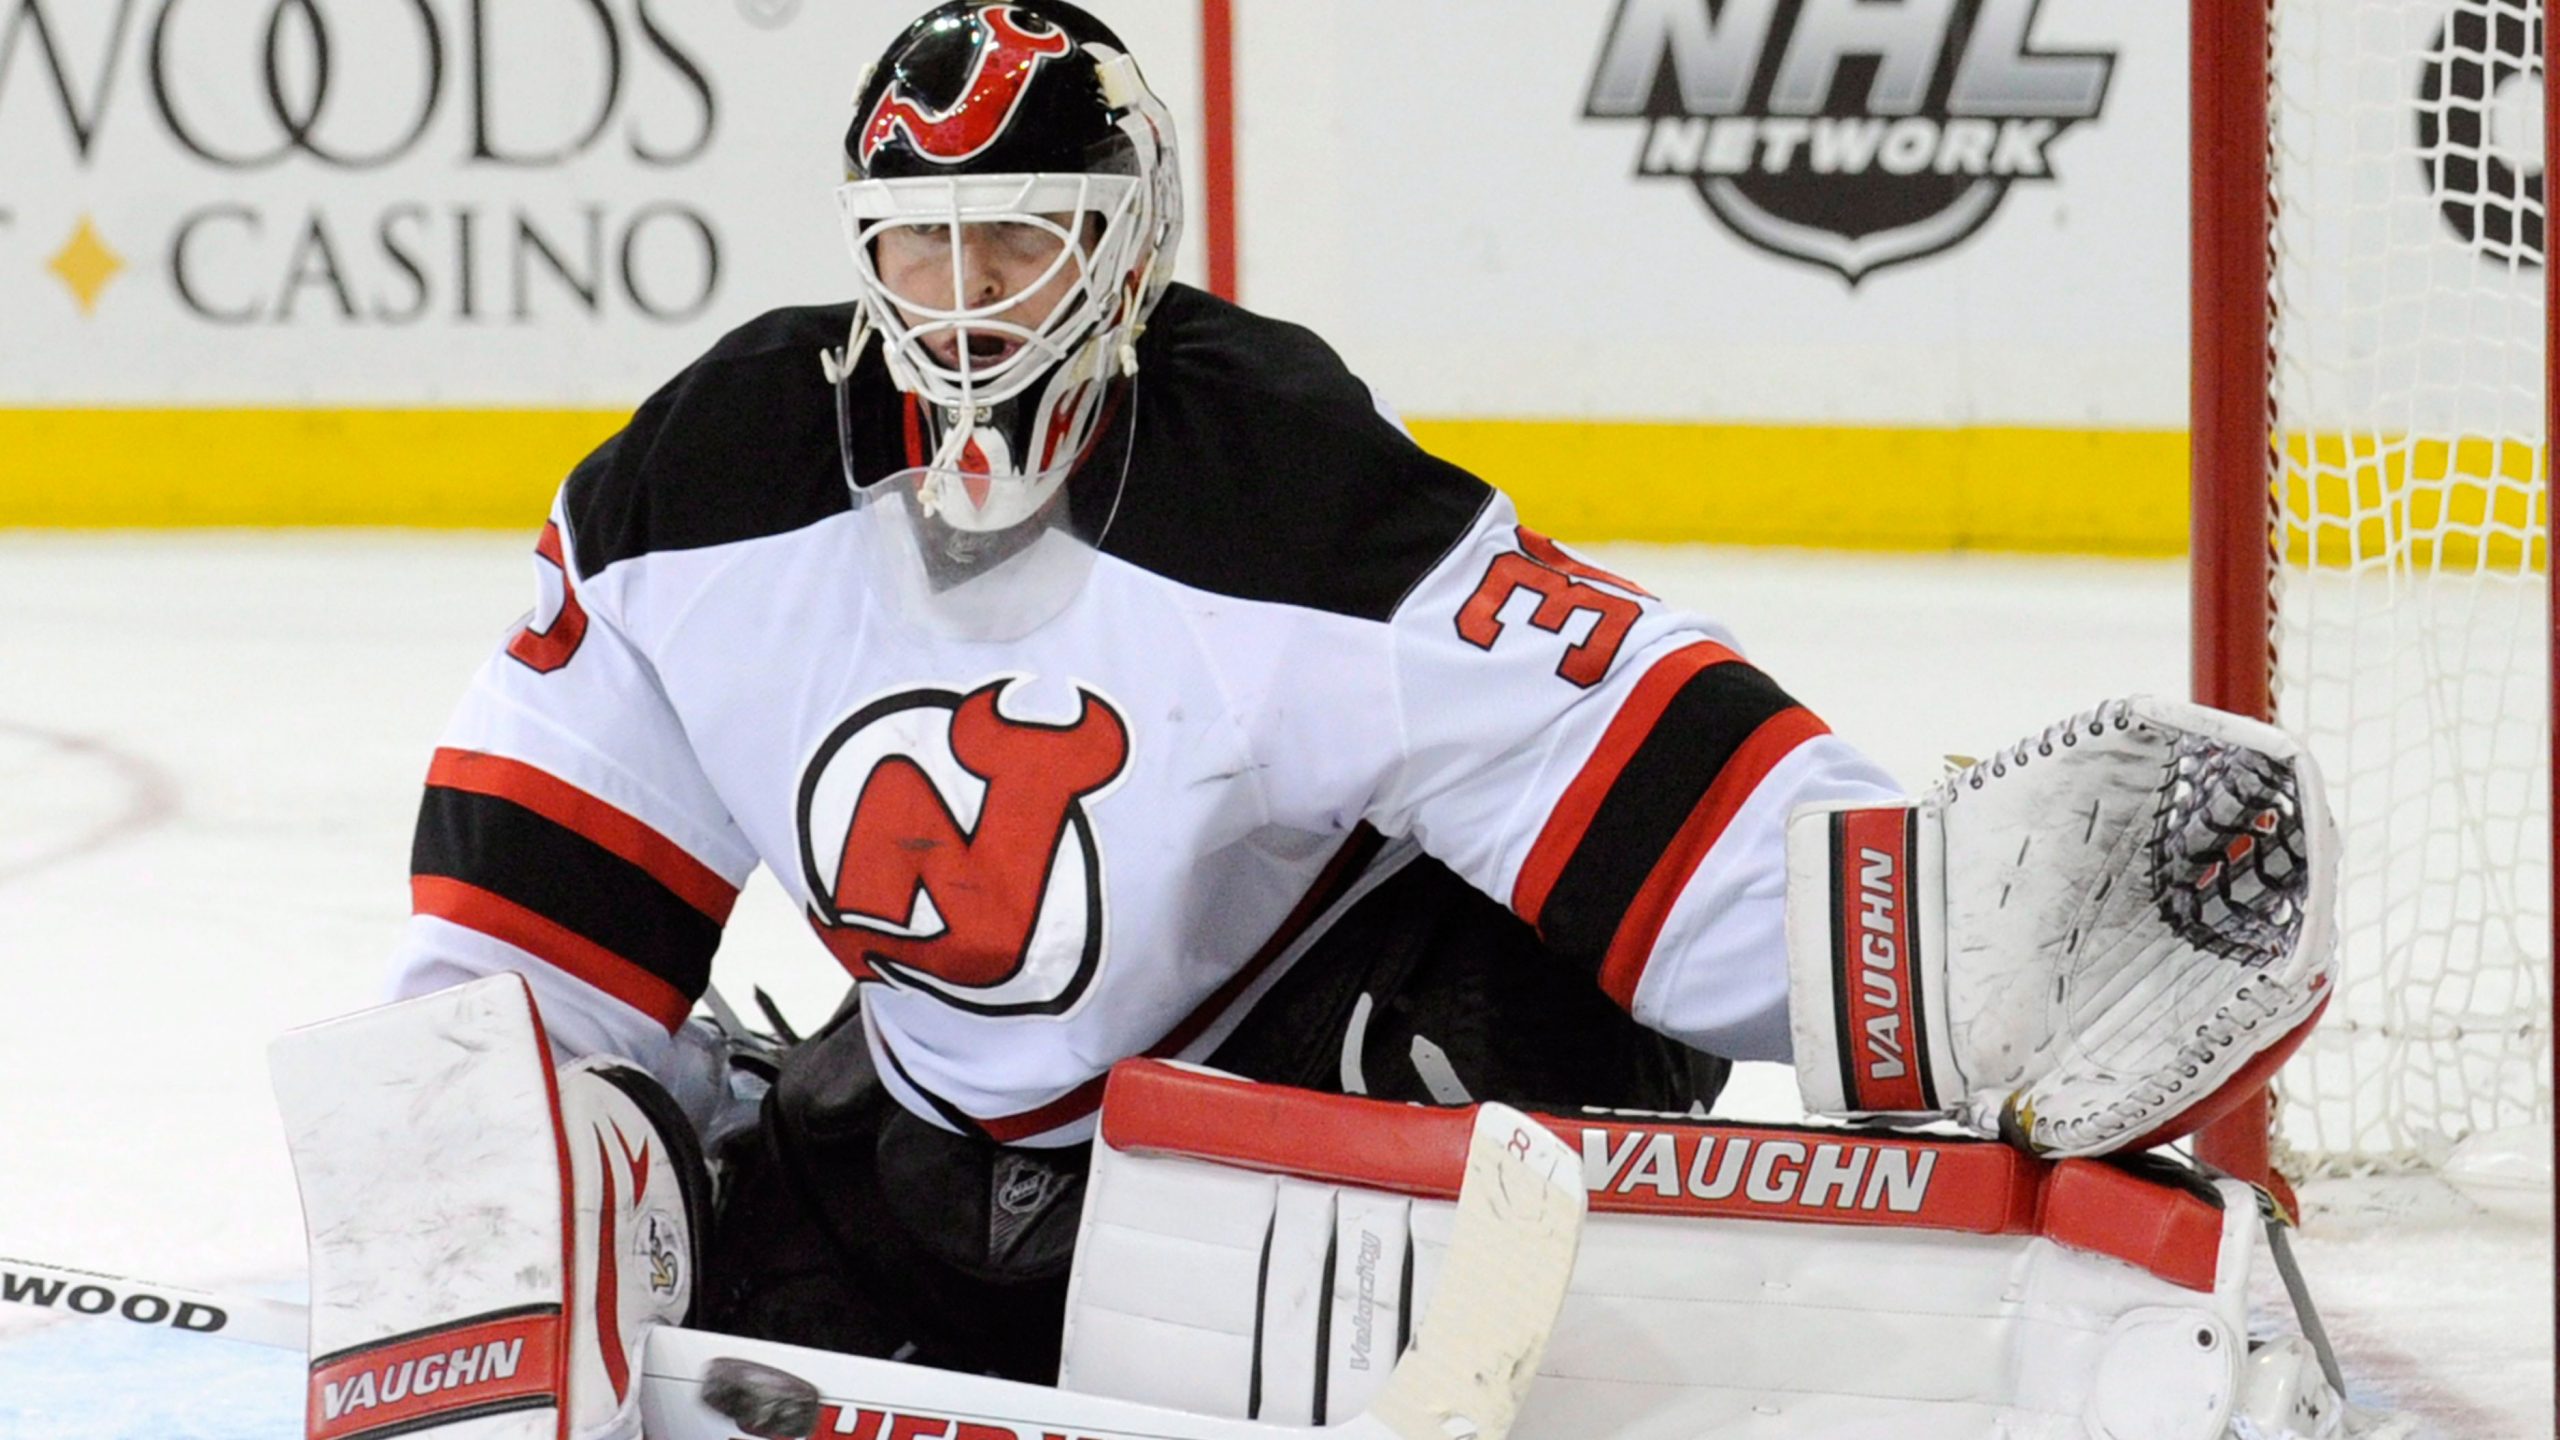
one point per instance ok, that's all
(1262, 467)
(1264, 470)
(739, 446)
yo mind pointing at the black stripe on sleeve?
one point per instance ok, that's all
(1836, 908)
(1651, 798)
(501, 847)
(1911, 957)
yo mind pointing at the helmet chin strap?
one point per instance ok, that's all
(955, 440)
(950, 458)
(1128, 355)
(838, 364)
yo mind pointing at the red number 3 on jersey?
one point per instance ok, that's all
(544, 645)
(1565, 587)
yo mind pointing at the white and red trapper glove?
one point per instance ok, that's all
(2098, 939)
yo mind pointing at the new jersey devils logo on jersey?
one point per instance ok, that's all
(947, 848)
(1008, 57)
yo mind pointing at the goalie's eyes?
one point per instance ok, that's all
(1008, 239)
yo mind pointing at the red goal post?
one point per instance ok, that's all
(2231, 362)
(2272, 468)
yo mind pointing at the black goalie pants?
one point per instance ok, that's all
(850, 1225)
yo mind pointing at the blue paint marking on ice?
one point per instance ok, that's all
(103, 1381)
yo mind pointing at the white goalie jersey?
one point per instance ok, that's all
(1306, 649)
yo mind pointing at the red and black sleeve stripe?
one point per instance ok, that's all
(526, 858)
(1694, 739)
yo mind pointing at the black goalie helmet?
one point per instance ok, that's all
(1013, 204)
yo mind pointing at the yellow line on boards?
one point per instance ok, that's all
(1922, 489)
(442, 469)
(2117, 492)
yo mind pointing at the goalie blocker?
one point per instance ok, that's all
(2096, 940)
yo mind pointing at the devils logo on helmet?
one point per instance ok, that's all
(1008, 58)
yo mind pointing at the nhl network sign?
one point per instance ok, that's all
(1851, 134)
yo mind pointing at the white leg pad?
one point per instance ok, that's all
(427, 1146)
(486, 1260)
(1983, 1293)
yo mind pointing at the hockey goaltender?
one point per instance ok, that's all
(1112, 681)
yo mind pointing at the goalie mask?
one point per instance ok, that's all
(1012, 204)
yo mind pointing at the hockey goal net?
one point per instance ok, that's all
(2372, 405)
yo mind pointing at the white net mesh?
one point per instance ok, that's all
(2411, 634)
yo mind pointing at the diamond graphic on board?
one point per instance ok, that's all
(86, 265)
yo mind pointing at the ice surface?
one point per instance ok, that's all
(210, 752)
(116, 1382)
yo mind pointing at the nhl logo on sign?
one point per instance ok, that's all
(1850, 134)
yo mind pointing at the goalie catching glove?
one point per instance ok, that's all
(2099, 939)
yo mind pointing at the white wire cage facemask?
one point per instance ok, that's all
(1016, 401)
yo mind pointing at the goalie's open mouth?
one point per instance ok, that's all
(984, 350)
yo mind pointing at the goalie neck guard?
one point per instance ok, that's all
(1012, 204)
